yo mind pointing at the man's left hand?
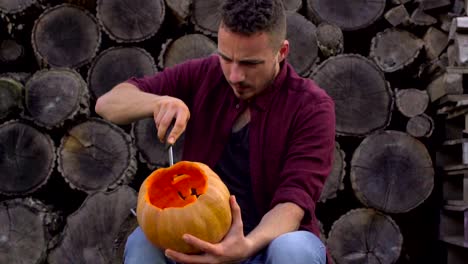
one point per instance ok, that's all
(234, 247)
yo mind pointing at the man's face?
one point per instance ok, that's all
(249, 63)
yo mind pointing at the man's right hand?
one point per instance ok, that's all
(167, 109)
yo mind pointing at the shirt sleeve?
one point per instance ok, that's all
(309, 157)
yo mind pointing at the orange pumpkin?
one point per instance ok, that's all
(186, 198)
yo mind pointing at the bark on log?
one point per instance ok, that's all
(11, 95)
(126, 228)
(302, 35)
(96, 155)
(330, 39)
(335, 179)
(363, 99)
(27, 158)
(106, 71)
(90, 232)
(206, 16)
(130, 20)
(392, 172)
(15, 6)
(151, 150)
(65, 36)
(27, 227)
(10, 51)
(55, 96)
(393, 49)
(412, 102)
(349, 15)
(365, 236)
(184, 48)
(420, 126)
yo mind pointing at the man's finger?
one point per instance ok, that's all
(164, 125)
(179, 127)
(236, 213)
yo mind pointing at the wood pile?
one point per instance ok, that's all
(396, 70)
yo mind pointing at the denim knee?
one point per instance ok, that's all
(139, 250)
(299, 247)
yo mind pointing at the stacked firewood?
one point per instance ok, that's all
(396, 70)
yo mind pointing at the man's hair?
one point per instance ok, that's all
(254, 16)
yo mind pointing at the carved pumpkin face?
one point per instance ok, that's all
(187, 198)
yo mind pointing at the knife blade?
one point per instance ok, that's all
(169, 146)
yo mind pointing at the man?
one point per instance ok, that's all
(268, 133)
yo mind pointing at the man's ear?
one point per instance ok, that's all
(283, 51)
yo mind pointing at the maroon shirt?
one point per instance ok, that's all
(291, 137)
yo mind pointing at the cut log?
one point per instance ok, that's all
(55, 96)
(393, 49)
(65, 36)
(436, 88)
(88, 4)
(27, 227)
(432, 4)
(27, 158)
(90, 232)
(106, 72)
(461, 49)
(420, 126)
(349, 15)
(187, 47)
(180, 8)
(129, 224)
(420, 18)
(302, 35)
(411, 102)
(363, 99)
(21, 77)
(10, 51)
(206, 16)
(365, 236)
(15, 6)
(11, 97)
(130, 20)
(96, 155)
(397, 16)
(151, 150)
(330, 39)
(435, 41)
(399, 2)
(292, 5)
(334, 181)
(392, 172)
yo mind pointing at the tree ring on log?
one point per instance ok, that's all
(187, 47)
(96, 155)
(363, 98)
(412, 102)
(206, 16)
(349, 15)
(27, 158)
(56, 95)
(66, 36)
(151, 150)
(90, 232)
(27, 228)
(393, 49)
(365, 236)
(302, 35)
(392, 172)
(131, 20)
(15, 6)
(106, 71)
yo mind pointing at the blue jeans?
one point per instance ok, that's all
(299, 247)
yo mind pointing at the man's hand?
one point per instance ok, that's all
(167, 109)
(234, 247)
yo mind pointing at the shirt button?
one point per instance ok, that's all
(237, 106)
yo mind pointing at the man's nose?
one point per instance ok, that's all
(236, 74)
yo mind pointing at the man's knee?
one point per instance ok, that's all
(139, 250)
(297, 247)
